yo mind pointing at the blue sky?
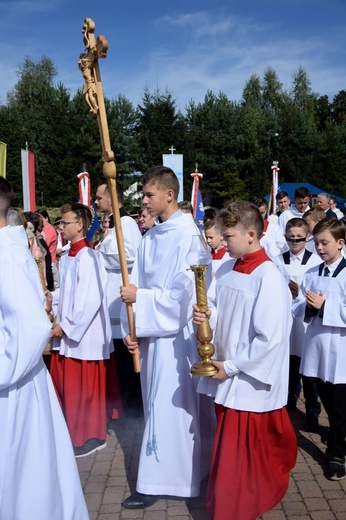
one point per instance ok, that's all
(187, 46)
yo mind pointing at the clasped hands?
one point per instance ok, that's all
(313, 300)
(56, 331)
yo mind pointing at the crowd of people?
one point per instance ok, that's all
(276, 306)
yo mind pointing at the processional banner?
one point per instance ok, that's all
(28, 177)
(175, 162)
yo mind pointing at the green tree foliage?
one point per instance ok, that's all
(30, 103)
(160, 126)
(322, 112)
(212, 130)
(338, 108)
(123, 119)
(233, 143)
(272, 93)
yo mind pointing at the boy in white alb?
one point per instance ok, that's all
(293, 264)
(311, 217)
(108, 253)
(322, 305)
(214, 241)
(163, 290)
(302, 197)
(255, 445)
(272, 239)
(84, 336)
(38, 473)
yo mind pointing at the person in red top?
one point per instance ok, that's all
(50, 234)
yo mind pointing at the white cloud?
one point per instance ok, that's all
(189, 53)
(221, 53)
(33, 6)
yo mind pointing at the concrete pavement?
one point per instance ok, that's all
(109, 476)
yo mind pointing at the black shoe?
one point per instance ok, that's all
(139, 501)
(91, 446)
(336, 469)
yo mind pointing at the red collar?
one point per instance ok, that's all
(219, 254)
(247, 263)
(77, 246)
(265, 227)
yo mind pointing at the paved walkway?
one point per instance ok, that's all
(110, 475)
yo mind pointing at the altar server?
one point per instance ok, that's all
(322, 305)
(293, 264)
(162, 288)
(38, 472)
(83, 336)
(214, 241)
(302, 198)
(109, 258)
(255, 445)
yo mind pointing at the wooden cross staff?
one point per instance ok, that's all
(93, 93)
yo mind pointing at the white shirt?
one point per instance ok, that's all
(109, 257)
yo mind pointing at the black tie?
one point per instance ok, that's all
(326, 271)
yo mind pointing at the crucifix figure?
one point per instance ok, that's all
(88, 64)
(93, 93)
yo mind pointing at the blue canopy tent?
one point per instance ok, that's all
(290, 188)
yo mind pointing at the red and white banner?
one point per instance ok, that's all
(28, 177)
(272, 206)
(84, 188)
(195, 189)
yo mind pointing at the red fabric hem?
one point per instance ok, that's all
(81, 390)
(114, 407)
(253, 454)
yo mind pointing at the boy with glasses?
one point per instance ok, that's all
(83, 336)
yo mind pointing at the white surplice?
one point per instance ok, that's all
(324, 352)
(80, 305)
(291, 212)
(273, 241)
(109, 258)
(295, 272)
(253, 333)
(170, 458)
(38, 474)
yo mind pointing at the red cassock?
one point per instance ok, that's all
(253, 452)
(84, 372)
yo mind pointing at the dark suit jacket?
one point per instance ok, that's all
(330, 214)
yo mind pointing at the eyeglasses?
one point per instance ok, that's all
(63, 224)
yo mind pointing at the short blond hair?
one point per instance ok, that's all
(243, 214)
